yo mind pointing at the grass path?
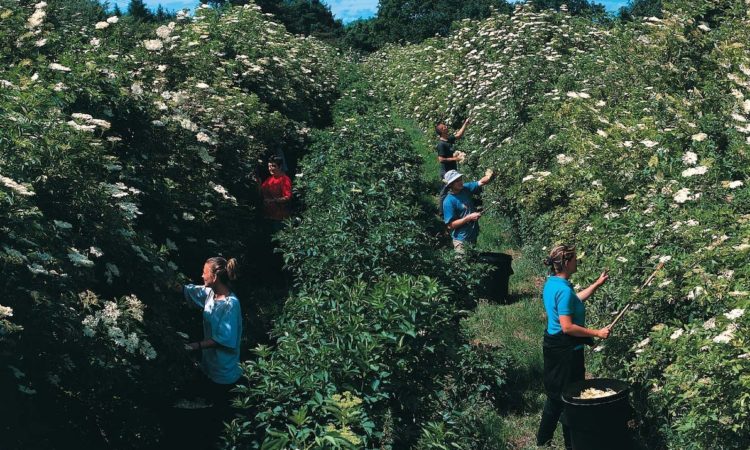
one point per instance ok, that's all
(515, 327)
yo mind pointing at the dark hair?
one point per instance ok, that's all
(225, 271)
(437, 130)
(559, 256)
(276, 160)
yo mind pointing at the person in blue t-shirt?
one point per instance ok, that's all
(459, 213)
(222, 328)
(564, 336)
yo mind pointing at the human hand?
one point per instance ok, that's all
(602, 278)
(489, 173)
(473, 217)
(603, 333)
(467, 121)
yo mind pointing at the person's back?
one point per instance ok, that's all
(224, 325)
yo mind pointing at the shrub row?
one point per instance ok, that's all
(366, 321)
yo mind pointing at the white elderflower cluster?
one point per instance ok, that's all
(683, 195)
(16, 187)
(693, 171)
(689, 158)
(153, 45)
(5, 311)
(58, 67)
(37, 17)
(114, 323)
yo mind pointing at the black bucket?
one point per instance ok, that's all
(494, 284)
(599, 423)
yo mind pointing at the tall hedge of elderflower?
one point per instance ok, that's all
(124, 163)
(632, 142)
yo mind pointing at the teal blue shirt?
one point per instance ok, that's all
(458, 206)
(222, 322)
(560, 299)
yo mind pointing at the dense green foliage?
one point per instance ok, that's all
(124, 162)
(372, 324)
(631, 142)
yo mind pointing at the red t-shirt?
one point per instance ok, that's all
(278, 186)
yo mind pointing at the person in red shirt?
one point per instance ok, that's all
(277, 192)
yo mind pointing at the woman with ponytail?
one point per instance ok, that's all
(222, 327)
(564, 336)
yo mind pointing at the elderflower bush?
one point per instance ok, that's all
(121, 159)
(604, 137)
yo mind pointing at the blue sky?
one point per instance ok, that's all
(346, 10)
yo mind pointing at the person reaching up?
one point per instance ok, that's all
(446, 156)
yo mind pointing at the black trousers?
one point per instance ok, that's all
(562, 365)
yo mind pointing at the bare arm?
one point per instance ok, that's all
(200, 345)
(589, 291)
(459, 134)
(571, 329)
(489, 174)
(458, 223)
(444, 159)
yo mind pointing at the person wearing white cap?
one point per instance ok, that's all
(458, 208)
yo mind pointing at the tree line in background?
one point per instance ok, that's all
(396, 20)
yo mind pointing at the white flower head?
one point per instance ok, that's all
(692, 171)
(153, 45)
(59, 67)
(5, 311)
(734, 184)
(689, 158)
(113, 19)
(677, 333)
(735, 314)
(36, 18)
(136, 88)
(101, 25)
(163, 32)
(699, 137)
(18, 188)
(682, 195)
(727, 335)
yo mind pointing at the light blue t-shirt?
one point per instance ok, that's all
(560, 299)
(458, 206)
(222, 322)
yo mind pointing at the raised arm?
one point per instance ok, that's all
(589, 291)
(460, 133)
(489, 174)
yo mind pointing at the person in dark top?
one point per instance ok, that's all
(446, 158)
